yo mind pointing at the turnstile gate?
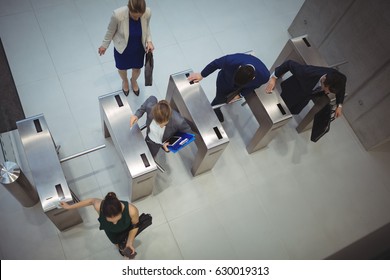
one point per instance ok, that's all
(129, 143)
(192, 103)
(271, 113)
(46, 171)
(302, 50)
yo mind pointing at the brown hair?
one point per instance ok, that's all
(111, 205)
(162, 112)
(137, 6)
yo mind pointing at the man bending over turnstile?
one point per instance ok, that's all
(239, 75)
(306, 82)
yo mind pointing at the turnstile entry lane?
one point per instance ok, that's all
(192, 103)
(270, 112)
(302, 50)
(46, 171)
(129, 142)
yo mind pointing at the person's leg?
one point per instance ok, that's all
(125, 81)
(153, 147)
(293, 95)
(134, 76)
(218, 112)
(220, 98)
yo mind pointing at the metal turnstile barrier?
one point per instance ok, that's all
(302, 50)
(271, 113)
(129, 142)
(46, 171)
(192, 103)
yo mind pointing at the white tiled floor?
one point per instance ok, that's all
(292, 200)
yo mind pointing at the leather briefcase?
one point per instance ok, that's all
(321, 122)
(149, 64)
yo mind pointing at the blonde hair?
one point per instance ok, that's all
(137, 6)
(162, 112)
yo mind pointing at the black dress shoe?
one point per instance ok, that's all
(219, 114)
(136, 92)
(126, 92)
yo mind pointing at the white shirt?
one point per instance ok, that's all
(319, 84)
(156, 132)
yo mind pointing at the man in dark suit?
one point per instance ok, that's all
(239, 74)
(306, 82)
(162, 123)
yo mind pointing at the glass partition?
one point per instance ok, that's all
(8, 147)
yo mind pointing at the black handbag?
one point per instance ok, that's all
(321, 122)
(144, 221)
(149, 64)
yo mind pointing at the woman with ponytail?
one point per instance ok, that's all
(119, 219)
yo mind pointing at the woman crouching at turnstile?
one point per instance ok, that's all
(119, 219)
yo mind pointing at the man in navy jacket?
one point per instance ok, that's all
(240, 73)
(306, 81)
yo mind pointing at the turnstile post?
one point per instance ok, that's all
(130, 145)
(47, 172)
(192, 103)
(271, 113)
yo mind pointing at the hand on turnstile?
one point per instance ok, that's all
(133, 120)
(271, 85)
(63, 204)
(235, 98)
(195, 77)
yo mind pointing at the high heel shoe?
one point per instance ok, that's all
(126, 92)
(136, 92)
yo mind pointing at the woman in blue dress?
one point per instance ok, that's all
(130, 31)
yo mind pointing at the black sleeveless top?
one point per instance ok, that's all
(118, 232)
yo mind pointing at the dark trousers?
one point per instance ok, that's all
(153, 147)
(293, 95)
(220, 98)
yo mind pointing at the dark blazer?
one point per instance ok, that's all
(307, 76)
(176, 123)
(228, 66)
